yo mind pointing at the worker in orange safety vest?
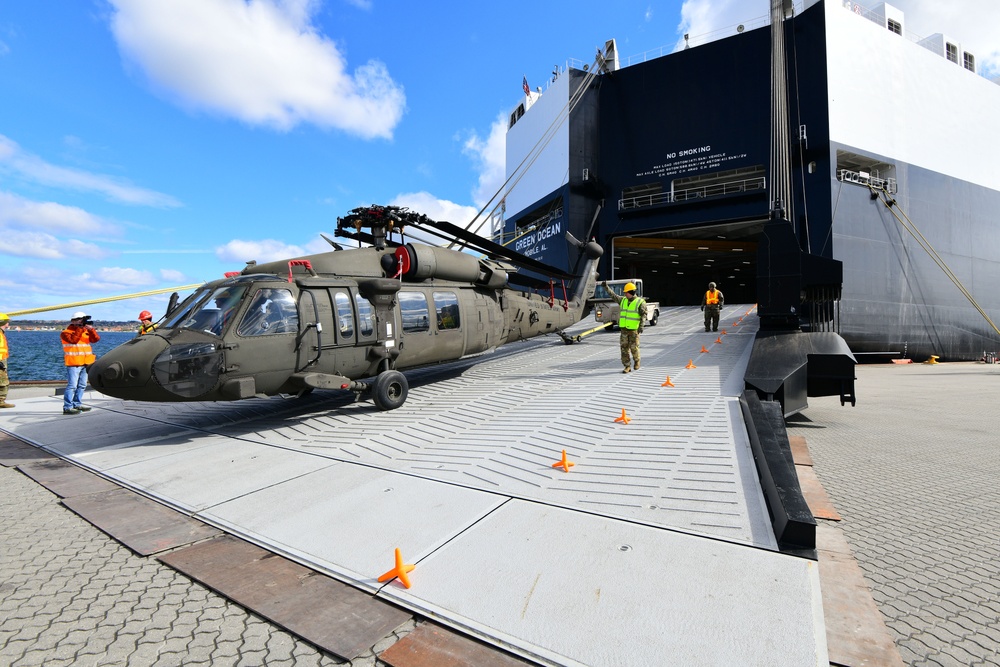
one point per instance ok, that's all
(712, 304)
(78, 356)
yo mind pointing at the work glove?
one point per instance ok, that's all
(640, 329)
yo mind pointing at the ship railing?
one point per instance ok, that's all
(865, 179)
(755, 184)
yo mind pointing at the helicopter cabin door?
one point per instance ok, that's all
(265, 337)
(431, 325)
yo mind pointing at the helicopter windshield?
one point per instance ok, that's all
(211, 311)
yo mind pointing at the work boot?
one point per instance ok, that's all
(70, 411)
(5, 404)
(84, 408)
(636, 367)
(627, 370)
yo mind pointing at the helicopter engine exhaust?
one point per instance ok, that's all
(421, 262)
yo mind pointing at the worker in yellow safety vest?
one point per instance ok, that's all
(4, 355)
(78, 356)
(630, 321)
(712, 304)
(146, 323)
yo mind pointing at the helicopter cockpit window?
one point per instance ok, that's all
(345, 316)
(272, 311)
(213, 314)
(413, 311)
(366, 316)
(446, 304)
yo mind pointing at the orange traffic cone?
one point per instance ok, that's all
(723, 332)
(704, 349)
(400, 571)
(565, 464)
(668, 383)
(623, 419)
(690, 364)
(736, 324)
(719, 339)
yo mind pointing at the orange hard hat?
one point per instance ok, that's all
(629, 287)
(145, 315)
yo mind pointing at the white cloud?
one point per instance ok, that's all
(16, 161)
(267, 250)
(117, 277)
(260, 61)
(16, 212)
(436, 209)
(174, 276)
(489, 156)
(40, 245)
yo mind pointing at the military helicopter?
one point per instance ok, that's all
(349, 319)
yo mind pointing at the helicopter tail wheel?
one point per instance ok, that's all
(389, 390)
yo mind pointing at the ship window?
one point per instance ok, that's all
(895, 26)
(970, 62)
(446, 304)
(516, 115)
(951, 51)
(413, 311)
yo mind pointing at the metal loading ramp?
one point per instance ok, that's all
(655, 548)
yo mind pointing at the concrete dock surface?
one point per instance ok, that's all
(910, 470)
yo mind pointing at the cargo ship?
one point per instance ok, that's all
(666, 161)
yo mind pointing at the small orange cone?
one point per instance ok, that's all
(668, 383)
(719, 339)
(565, 464)
(736, 324)
(723, 332)
(690, 364)
(399, 571)
(704, 349)
(623, 419)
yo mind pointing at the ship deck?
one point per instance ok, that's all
(658, 533)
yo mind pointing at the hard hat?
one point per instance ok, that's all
(4, 318)
(145, 315)
(78, 315)
(711, 286)
(629, 287)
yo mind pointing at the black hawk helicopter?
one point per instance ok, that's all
(331, 320)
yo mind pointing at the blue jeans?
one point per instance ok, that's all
(73, 398)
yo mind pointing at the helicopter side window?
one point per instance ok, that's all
(366, 316)
(345, 316)
(446, 304)
(413, 311)
(272, 311)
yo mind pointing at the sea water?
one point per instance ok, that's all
(38, 355)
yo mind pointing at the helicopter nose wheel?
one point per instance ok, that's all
(389, 390)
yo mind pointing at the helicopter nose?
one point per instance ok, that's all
(127, 369)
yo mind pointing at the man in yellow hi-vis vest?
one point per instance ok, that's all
(630, 321)
(712, 303)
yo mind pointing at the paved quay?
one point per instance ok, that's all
(77, 597)
(914, 471)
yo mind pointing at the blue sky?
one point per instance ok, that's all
(147, 144)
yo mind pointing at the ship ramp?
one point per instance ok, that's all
(655, 547)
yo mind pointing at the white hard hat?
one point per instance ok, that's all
(78, 315)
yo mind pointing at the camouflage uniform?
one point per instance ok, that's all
(629, 340)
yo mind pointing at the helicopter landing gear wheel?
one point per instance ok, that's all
(389, 390)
